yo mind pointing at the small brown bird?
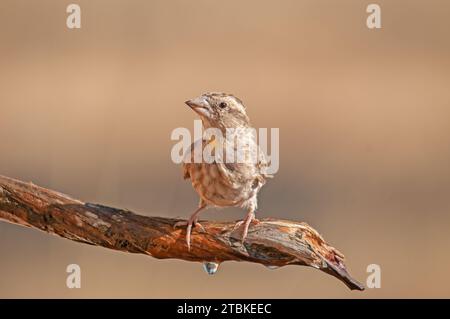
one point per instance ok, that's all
(223, 183)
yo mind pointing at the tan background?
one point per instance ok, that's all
(363, 117)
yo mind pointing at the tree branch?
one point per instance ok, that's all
(272, 242)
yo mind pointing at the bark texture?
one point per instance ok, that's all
(272, 242)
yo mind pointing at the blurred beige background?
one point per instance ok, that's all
(364, 118)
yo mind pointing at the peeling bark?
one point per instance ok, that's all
(271, 242)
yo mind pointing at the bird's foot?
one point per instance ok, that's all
(250, 218)
(190, 223)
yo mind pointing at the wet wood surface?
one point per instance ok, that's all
(271, 242)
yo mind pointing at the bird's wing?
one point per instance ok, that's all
(188, 158)
(263, 163)
(231, 173)
(186, 174)
(236, 173)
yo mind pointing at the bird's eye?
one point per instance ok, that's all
(223, 105)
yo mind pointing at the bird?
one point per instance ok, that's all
(226, 183)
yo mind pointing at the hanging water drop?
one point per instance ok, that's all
(210, 267)
(272, 267)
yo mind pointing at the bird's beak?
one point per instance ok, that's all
(200, 105)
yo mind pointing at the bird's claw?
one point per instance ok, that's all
(189, 223)
(246, 223)
(185, 223)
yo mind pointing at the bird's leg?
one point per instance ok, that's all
(249, 218)
(191, 221)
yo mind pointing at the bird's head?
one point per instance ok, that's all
(220, 110)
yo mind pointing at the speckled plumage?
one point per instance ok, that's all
(221, 183)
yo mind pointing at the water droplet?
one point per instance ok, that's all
(272, 267)
(210, 267)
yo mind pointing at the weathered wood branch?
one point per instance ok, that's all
(271, 242)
